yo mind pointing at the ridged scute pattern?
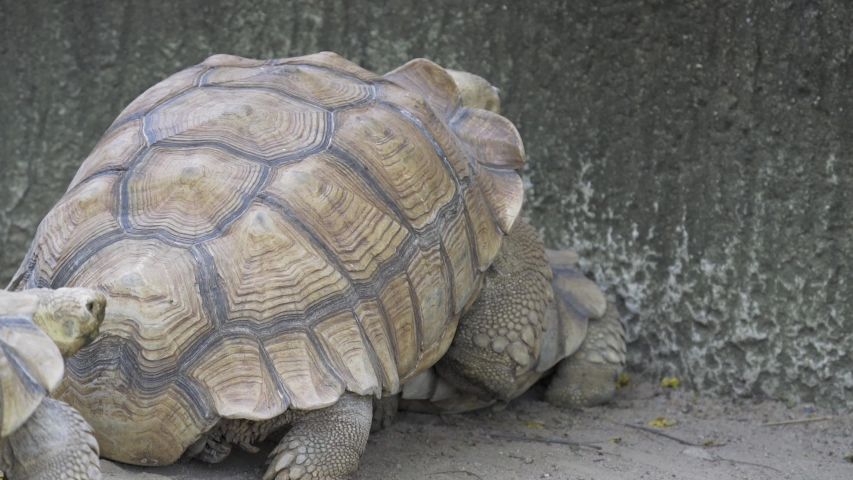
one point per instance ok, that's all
(271, 234)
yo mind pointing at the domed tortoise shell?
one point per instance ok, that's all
(271, 234)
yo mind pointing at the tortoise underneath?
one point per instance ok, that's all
(280, 242)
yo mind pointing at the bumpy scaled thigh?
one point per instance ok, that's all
(55, 442)
(499, 338)
(589, 376)
(324, 444)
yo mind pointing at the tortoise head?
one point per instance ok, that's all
(476, 91)
(70, 316)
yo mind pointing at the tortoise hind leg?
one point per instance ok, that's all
(589, 376)
(55, 442)
(324, 444)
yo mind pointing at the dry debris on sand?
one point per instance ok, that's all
(711, 438)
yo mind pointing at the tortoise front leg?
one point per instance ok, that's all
(324, 444)
(495, 352)
(55, 442)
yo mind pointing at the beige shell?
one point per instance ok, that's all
(30, 363)
(270, 234)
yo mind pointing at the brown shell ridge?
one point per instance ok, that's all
(102, 172)
(494, 143)
(328, 60)
(174, 240)
(273, 375)
(208, 342)
(375, 188)
(443, 216)
(204, 83)
(145, 111)
(431, 81)
(438, 150)
(61, 277)
(326, 69)
(320, 147)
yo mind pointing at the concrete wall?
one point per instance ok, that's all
(697, 153)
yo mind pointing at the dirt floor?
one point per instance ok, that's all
(711, 439)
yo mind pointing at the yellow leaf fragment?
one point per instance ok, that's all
(616, 440)
(534, 424)
(662, 422)
(671, 382)
(623, 381)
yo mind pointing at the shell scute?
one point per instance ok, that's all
(323, 88)
(331, 61)
(458, 245)
(400, 158)
(240, 384)
(349, 352)
(70, 232)
(341, 212)
(306, 375)
(418, 109)
(430, 81)
(369, 315)
(430, 285)
(398, 306)
(226, 60)
(270, 269)
(256, 123)
(485, 227)
(189, 192)
(114, 151)
(156, 95)
(504, 192)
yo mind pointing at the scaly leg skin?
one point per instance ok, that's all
(324, 444)
(589, 376)
(384, 412)
(496, 348)
(55, 442)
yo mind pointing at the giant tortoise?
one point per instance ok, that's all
(280, 241)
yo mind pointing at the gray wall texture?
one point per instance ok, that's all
(697, 153)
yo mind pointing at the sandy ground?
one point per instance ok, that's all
(711, 439)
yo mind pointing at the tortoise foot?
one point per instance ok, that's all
(324, 444)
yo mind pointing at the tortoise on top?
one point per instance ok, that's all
(41, 437)
(279, 242)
